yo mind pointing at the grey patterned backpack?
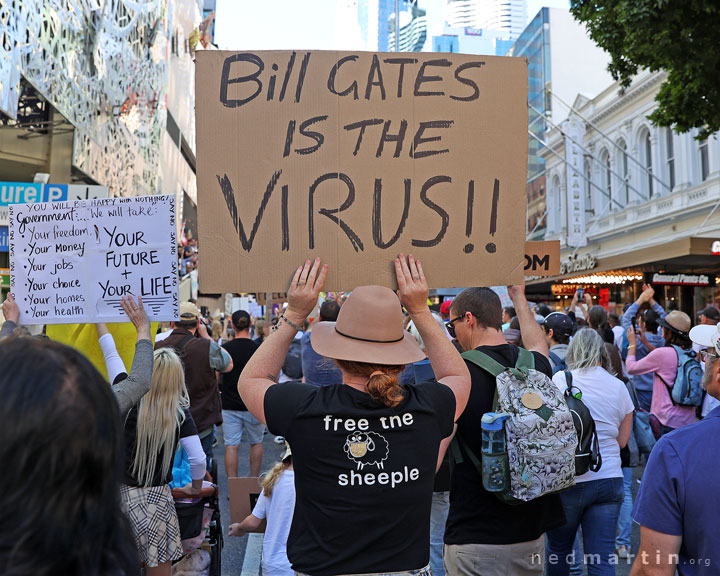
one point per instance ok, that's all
(540, 433)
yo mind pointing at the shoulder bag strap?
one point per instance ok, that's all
(484, 361)
(183, 342)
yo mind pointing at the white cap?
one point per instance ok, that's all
(706, 335)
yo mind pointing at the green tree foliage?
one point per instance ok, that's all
(681, 37)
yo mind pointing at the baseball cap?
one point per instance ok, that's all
(559, 322)
(188, 312)
(711, 312)
(445, 307)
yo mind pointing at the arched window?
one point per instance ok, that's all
(606, 177)
(645, 147)
(669, 158)
(558, 212)
(622, 164)
(704, 160)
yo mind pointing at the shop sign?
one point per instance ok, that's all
(681, 279)
(570, 289)
(4, 245)
(577, 263)
(715, 248)
(5, 277)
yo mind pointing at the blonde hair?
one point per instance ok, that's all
(268, 481)
(159, 416)
(216, 330)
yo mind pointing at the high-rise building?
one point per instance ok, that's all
(503, 15)
(411, 27)
(377, 24)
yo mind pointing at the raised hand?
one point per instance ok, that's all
(137, 315)
(10, 309)
(412, 284)
(305, 288)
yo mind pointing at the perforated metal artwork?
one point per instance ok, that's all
(103, 65)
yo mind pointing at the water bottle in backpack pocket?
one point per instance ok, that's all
(587, 454)
(495, 477)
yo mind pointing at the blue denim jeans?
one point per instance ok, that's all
(207, 445)
(594, 505)
(438, 518)
(624, 520)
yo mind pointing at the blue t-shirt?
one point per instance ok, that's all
(318, 370)
(679, 494)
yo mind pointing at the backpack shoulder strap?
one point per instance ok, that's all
(183, 342)
(568, 379)
(555, 358)
(525, 361)
(484, 361)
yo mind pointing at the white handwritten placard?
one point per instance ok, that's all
(71, 262)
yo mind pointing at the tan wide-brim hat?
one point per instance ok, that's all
(369, 329)
(677, 321)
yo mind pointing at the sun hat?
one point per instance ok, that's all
(369, 329)
(706, 335)
(676, 321)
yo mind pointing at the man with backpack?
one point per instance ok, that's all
(480, 525)
(557, 328)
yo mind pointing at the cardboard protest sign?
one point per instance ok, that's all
(244, 493)
(71, 262)
(542, 258)
(355, 157)
(84, 338)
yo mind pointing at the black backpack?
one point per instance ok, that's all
(292, 367)
(587, 453)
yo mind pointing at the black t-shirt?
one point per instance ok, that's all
(364, 474)
(187, 428)
(477, 516)
(240, 350)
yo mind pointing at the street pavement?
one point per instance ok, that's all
(241, 556)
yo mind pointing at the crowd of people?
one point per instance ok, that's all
(381, 417)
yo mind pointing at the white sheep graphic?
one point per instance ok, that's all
(367, 449)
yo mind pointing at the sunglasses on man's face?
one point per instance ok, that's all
(450, 325)
(706, 355)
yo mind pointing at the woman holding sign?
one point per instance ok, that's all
(365, 449)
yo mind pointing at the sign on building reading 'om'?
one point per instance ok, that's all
(72, 262)
(356, 157)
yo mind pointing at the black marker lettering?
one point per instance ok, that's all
(419, 140)
(421, 78)
(284, 216)
(288, 72)
(401, 62)
(225, 79)
(375, 79)
(377, 219)
(362, 124)
(330, 212)
(387, 137)
(333, 72)
(468, 81)
(435, 208)
(317, 136)
(289, 138)
(469, 247)
(301, 78)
